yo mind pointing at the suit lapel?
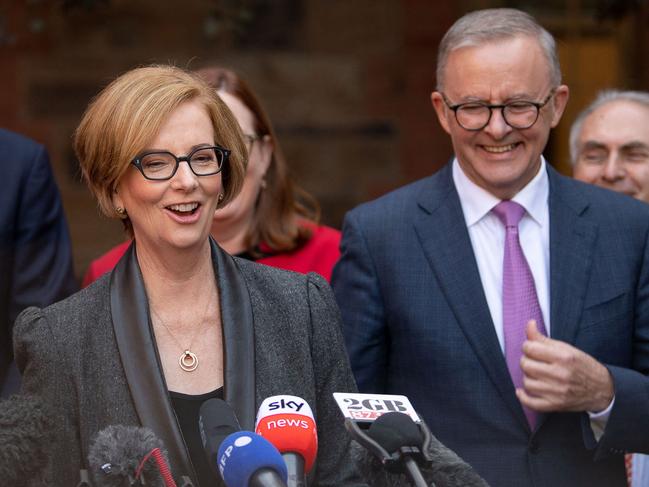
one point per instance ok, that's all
(130, 314)
(136, 344)
(443, 235)
(572, 238)
(238, 338)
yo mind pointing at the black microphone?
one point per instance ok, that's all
(240, 458)
(121, 456)
(411, 451)
(399, 436)
(216, 421)
(25, 432)
(392, 441)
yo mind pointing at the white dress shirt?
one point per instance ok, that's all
(487, 234)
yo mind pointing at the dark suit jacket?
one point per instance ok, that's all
(35, 250)
(416, 322)
(92, 357)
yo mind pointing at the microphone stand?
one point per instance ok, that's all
(84, 478)
(403, 456)
(295, 467)
(266, 477)
(414, 473)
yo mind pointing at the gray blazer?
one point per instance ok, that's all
(92, 358)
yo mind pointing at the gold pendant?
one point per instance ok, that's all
(188, 361)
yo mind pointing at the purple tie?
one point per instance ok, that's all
(520, 302)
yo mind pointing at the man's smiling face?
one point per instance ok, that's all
(499, 158)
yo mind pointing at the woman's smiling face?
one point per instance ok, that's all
(177, 212)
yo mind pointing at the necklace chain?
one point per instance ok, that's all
(188, 360)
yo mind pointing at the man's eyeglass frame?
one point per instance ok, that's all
(502, 108)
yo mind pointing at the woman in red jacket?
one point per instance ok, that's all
(272, 220)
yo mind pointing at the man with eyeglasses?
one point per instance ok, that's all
(509, 303)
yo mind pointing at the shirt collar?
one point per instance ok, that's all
(478, 202)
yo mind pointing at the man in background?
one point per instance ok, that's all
(609, 147)
(508, 302)
(609, 143)
(35, 251)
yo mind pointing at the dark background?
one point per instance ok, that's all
(346, 82)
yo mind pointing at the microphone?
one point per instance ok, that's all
(216, 421)
(287, 422)
(388, 427)
(119, 457)
(248, 460)
(25, 433)
(402, 439)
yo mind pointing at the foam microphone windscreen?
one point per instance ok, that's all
(287, 422)
(244, 453)
(116, 453)
(395, 430)
(26, 431)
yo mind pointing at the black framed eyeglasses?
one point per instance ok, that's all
(475, 115)
(160, 166)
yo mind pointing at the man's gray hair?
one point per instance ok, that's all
(489, 25)
(603, 98)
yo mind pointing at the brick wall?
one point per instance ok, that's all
(347, 83)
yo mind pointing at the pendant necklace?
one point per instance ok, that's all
(188, 361)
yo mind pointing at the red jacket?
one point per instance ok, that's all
(319, 254)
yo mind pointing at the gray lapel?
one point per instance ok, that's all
(445, 240)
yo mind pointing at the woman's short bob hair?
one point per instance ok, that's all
(127, 115)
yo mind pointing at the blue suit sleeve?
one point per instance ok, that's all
(357, 291)
(42, 267)
(627, 429)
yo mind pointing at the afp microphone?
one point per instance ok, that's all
(248, 460)
(389, 428)
(287, 422)
(25, 431)
(124, 456)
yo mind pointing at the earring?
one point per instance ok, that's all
(120, 211)
(263, 183)
(221, 196)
